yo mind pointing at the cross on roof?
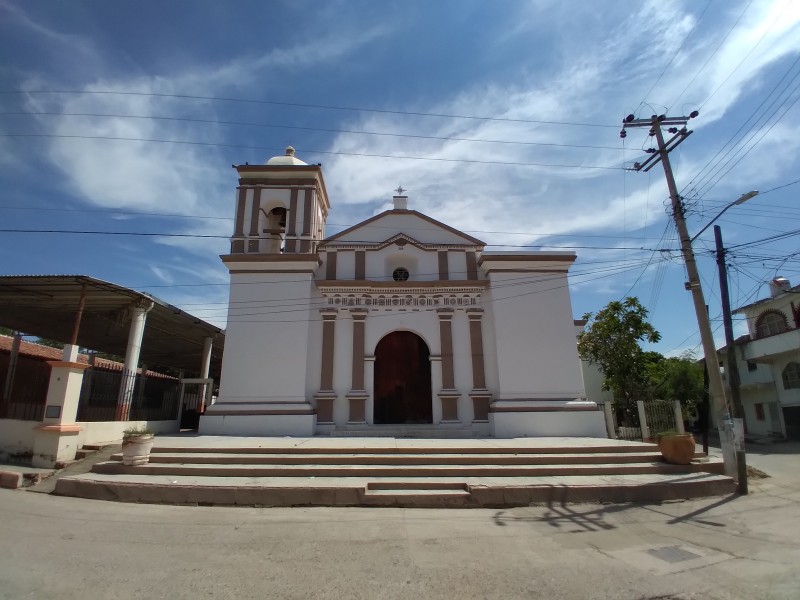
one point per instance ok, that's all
(400, 190)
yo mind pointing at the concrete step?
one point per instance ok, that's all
(399, 459)
(83, 453)
(405, 492)
(428, 470)
(417, 448)
(408, 431)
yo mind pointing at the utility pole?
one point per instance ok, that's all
(732, 367)
(717, 387)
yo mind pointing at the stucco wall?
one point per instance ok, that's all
(267, 337)
(16, 438)
(534, 336)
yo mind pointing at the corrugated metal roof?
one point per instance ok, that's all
(46, 305)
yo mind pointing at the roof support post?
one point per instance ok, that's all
(205, 366)
(136, 333)
(12, 367)
(70, 353)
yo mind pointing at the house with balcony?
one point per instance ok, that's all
(769, 362)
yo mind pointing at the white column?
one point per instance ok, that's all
(135, 335)
(205, 366)
(12, 366)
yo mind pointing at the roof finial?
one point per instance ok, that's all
(400, 200)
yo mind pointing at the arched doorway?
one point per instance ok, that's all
(402, 380)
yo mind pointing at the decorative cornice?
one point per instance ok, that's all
(402, 287)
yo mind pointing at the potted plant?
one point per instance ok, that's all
(676, 448)
(136, 445)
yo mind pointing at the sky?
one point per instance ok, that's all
(500, 118)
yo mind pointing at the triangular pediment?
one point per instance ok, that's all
(409, 225)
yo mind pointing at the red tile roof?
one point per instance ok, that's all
(47, 353)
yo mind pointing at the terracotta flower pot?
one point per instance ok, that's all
(136, 449)
(677, 448)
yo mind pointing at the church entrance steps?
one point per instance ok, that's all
(397, 472)
(493, 493)
(316, 470)
(400, 459)
(405, 431)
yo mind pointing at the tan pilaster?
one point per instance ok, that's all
(326, 396)
(481, 397)
(357, 395)
(448, 394)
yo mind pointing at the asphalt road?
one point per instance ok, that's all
(737, 547)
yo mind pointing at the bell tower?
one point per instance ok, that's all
(281, 207)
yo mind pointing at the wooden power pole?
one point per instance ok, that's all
(677, 127)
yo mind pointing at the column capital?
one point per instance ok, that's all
(475, 314)
(445, 314)
(328, 314)
(359, 314)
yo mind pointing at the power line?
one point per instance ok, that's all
(330, 152)
(674, 56)
(713, 54)
(305, 128)
(112, 211)
(215, 236)
(303, 105)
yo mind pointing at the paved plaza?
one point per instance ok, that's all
(715, 548)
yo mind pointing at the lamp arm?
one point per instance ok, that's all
(711, 222)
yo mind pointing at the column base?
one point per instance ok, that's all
(540, 417)
(449, 399)
(358, 407)
(292, 418)
(325, 400)
(55, 445)
(481, 399)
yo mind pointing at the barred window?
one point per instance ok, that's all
(791, 376)
(770, 323)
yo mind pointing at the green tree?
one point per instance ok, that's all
(6, 331)
(611, 340)
(678, 378)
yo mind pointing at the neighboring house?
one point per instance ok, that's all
(400, 320)
(769, 362)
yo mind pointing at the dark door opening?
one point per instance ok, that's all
(402, 380)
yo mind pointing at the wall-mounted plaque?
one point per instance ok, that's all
(52, 411)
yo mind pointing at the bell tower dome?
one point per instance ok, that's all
(281, 207)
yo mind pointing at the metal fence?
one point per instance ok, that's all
(627, 425)
(660, 416)
(151, 398)
(25, 394)
(643, 421)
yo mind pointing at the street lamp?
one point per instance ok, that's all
(732, 368)
(744, 198)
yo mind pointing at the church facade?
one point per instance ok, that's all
(397, 322)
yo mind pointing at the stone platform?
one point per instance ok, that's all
(465, 473)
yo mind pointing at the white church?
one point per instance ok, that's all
(398, 323)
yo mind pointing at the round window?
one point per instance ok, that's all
(400, 274)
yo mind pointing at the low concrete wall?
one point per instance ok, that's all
(16, 438)
(107, 432)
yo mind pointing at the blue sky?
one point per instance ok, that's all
(530, 67)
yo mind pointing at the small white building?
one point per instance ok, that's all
(768, 361)
(398, 321)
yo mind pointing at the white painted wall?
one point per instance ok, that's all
(534, 336)
(16, 438)
(265, 355)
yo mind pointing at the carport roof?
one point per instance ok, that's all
(46, 305)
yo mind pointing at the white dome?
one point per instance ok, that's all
(287, 159)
